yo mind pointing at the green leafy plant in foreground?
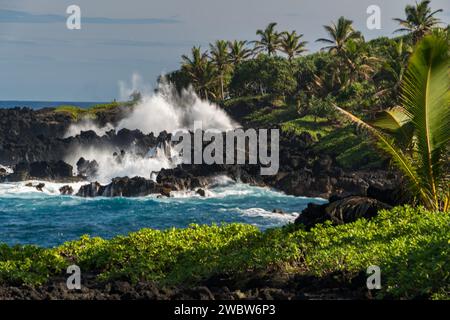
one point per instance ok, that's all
(411, 246)
(419, 130)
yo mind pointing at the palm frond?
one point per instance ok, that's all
(426, 99)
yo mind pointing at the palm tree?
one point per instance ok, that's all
(339, 34)
(220, 59)
(270, 40)
(419, 20)
(200, 71)
(417, 134)
(291, 45)
(359, 62)
(394, 67)
(238, 51)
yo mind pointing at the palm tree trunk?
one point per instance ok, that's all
(221, 87)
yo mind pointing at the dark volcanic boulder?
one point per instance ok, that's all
(392, 195)
(21, 172)
(182, 177)
(201, 192)
(66, 190)
(40, 169)
(352, 208)
(51, 170)
(341, 211)
(134, 187)
(87, 168)
(122, 187)
(94, 189)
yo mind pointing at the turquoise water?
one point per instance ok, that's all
(47, 219)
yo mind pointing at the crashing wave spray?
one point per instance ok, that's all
(130, 164)
(168, 110)
(163, 110)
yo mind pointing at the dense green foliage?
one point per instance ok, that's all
(296, 93)
(411, 246)
(416, 134)
(361, 77)
(364, 80)
(263, 75)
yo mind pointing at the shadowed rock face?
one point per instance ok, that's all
(33, 142)
(181, 178)
(123, 187)
(87, 168)
(42, 170)
(26, 135)
(341, 211)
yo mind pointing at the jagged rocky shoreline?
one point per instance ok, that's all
(33, 144)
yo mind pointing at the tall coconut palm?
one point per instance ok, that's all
(339, 34)
(291, 45)
(200, 71)
(220, 59)
(270, 40)
(417, 134)
(238, 51)
(419, 19)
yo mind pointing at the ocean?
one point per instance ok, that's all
(48, 219)
(44, 104)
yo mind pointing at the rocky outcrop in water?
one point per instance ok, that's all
(66, 190)
(33, 142)
(124, 187)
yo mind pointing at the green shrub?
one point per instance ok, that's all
(28, 264)
(411, 246)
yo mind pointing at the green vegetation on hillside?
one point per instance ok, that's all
(416, 134)
(411, 246)
(270, 81)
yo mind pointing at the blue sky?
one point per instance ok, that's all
(41, 60)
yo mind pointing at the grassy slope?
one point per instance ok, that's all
(90, 113)
(350, 149)
(410, 245)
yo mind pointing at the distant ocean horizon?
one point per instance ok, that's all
(5, 104)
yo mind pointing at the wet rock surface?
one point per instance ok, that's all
(33, 142)
(86, 168)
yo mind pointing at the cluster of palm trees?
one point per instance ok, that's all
(271, 42)
(415, 133)
(209, 71)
